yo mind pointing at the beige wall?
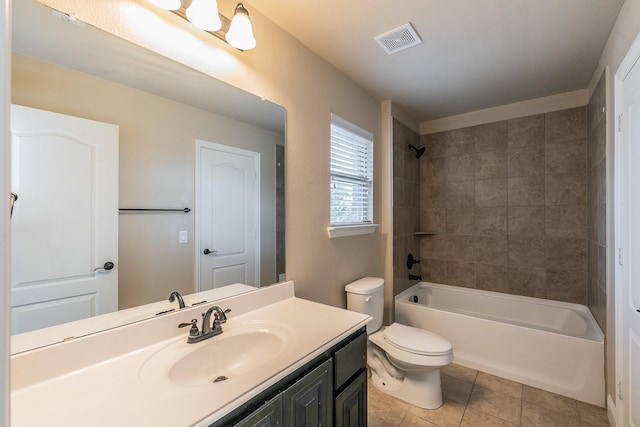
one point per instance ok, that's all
(287, 73)
(157, 152)
(624, 32)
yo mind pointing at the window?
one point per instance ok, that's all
(351, 174)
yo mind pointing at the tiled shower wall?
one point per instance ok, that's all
(406, 204)
(597, 208)
(508, 201)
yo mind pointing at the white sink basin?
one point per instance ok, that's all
(235, 354)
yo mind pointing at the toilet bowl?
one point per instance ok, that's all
(404, 361)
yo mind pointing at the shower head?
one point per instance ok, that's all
(419, 151)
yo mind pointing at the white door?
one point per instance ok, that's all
(227, 215)
(628, 288)
(65, 220)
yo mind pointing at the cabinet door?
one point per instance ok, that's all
(309, 402)
(268, 415)
(351, 404)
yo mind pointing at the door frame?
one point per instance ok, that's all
(631, 59)
(199, 144)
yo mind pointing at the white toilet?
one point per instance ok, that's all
(404, 361)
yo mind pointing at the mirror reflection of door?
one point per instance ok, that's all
(228, 215)
(65, 221)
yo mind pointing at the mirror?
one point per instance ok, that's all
(161, 108)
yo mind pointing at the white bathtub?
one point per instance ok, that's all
(550, 345)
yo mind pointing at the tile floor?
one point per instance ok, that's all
(477, 399)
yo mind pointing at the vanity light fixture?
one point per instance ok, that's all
(240, 34)
(204, 14)
(167, 4)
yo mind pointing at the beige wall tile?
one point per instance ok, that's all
(491, 250)
(432, 171)
(523, 162)
(433, 270)
(526, 191)
(461, 168)
(527, 281)
(492, 278)
(434, 246)
(566, 190)
(460, 142)
(566, 157)
(526, 221)
(434, 196)
(567, 285)
(434, 219)
(461, 274)
(566, 221)
(566, 125)
(526, 132)
(460, 248)
(460, 220)
(491, 136)
(491, 192)
(527, 251)
(491, 221)
(566, 254)
(435, 144)
(459, 194)
(491, 164)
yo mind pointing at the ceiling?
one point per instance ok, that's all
(475, 54)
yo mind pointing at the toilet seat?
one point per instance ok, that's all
(417, 341)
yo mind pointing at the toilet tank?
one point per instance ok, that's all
(366, 296)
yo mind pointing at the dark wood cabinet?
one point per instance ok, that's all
(351, 403)
(329, 390)
(309, 402)
(268, 415)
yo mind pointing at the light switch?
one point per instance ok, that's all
(183, 237)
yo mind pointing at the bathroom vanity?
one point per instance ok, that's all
(280, 359)
(335, 382)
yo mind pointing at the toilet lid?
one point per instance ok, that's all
(416, 340)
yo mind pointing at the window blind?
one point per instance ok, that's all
(351, 174)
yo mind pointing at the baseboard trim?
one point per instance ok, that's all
(611, 411)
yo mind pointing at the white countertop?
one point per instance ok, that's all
(110, 390)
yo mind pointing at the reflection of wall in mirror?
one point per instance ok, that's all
(156, 170)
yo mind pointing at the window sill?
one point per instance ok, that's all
(351, 230)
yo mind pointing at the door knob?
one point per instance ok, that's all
(107, 266)
(208, 252)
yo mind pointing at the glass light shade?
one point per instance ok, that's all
(167, 4)
(204, 14)
(240, 34)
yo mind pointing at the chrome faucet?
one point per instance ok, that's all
(174, 295)
(209, 329)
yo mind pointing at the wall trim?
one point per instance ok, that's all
(405, 118)
(5, 231)
(547, 104)
(611, 411)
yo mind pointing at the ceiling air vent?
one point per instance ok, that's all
(398, 39)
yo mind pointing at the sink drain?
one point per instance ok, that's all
(220, 378)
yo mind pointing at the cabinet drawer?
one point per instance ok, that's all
(350, 359)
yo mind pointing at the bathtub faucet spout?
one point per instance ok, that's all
(415, 277)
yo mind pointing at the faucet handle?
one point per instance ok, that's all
(193, 331)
